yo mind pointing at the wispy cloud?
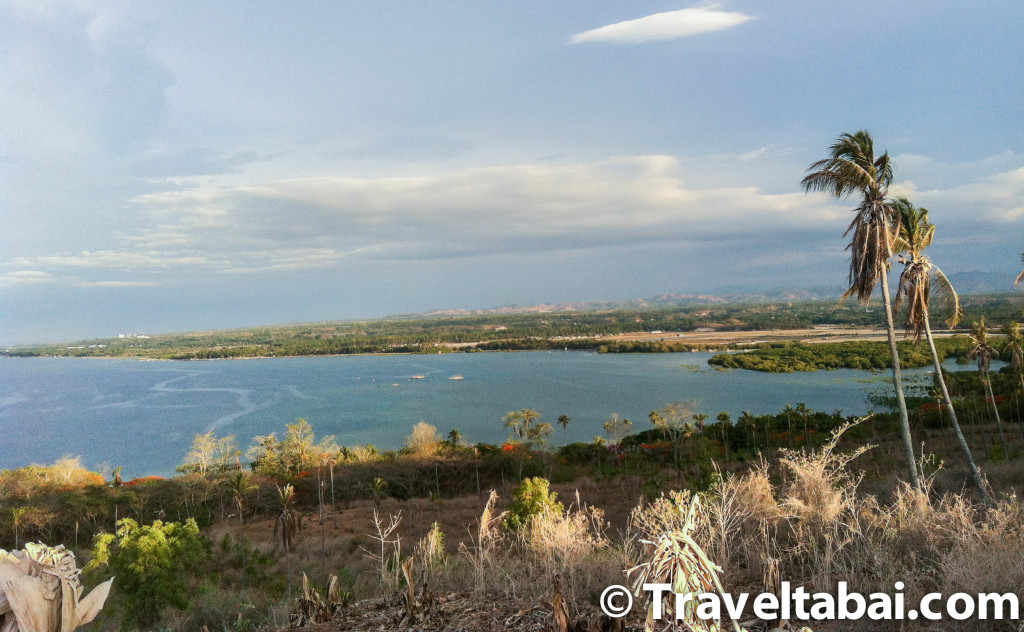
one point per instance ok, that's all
(119, 284)
(663, 26)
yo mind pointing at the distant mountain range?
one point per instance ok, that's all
(661, 300)
(975, 282)
(983, 282)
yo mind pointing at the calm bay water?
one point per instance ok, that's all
(142, 415)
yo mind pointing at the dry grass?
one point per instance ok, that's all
(805, 519)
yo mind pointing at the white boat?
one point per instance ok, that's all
(419, 377)
(456, 377)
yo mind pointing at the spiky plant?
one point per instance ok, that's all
(853, 169)
(921, 284)
(983, 352)
(287, 524)
(677, 560)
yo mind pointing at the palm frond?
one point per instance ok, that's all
(946, 297)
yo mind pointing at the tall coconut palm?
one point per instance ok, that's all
(853, 169)
(724, 423)
(788, 410)
(921, 282)
(1020, 277)
(563, 421)
(982, 351)
(804, 412)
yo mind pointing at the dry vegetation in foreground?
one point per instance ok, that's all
(803, 519)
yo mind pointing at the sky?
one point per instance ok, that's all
(174, 166)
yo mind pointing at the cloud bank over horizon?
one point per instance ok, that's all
(320, 222)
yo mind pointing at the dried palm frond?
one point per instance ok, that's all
(678, 561)
(922, 283)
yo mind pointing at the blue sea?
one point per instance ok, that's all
(142, 415)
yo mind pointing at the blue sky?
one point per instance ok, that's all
(170, 166)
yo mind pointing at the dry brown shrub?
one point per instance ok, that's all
(743, 519)
(819, 487)
(424, 440)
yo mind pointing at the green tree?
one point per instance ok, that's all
(297, 447)
(920, 283)
(788, 410)
(699, 420)
(154, 565)
(455, 437)
(724, 423)
(265, 454)
(804, 411)
(563, 421)
(523, 426)
(532, 497)
(853, 169)
(519, 423)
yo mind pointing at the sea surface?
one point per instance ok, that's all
(142, 415)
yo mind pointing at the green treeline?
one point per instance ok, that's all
(558, 330)
(529, 331)
(790, 357)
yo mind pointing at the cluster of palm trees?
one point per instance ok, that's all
(883, 228)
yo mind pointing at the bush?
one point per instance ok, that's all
(531, 497)
(153, 565)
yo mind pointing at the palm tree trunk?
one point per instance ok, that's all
(897, 382)
(975, 473)
(241, 545)
(999, 422)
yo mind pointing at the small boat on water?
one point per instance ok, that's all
(419, 377)
(456, 377)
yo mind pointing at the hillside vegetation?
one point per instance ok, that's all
(556, 330)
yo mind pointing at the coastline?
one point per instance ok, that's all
(718, 340)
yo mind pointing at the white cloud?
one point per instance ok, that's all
(24, 277)
(326, 222)
(320, 222)
(996, 198)
(663, 26)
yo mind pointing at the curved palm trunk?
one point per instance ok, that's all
(995, 409)
(897, 379)
(975, 473)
